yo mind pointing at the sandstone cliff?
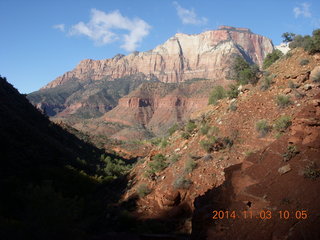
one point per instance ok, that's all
(206, 55)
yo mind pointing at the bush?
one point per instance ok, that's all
(282, 123)
(290, 153)
(243, 72)
(173, 129)
(283, 101)
(309, 43)
(191, 125)
(213, 131)
(263, 127)
(266, 82)
(164, 143)
(185, 135)
(157, 164)
(215, 144)
(271, 58)
(217, 93)
(233, 107)
(143, 190)
(233, 91)
(182, 183)
(292, 85)
(304, 62)
(311, 171)
(190, 165)
(174, 158)
(204, 129)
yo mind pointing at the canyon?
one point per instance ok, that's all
(125, 89)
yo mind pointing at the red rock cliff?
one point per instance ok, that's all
(206, 55)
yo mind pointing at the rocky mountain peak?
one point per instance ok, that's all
(182, 57)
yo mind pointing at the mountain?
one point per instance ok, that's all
(257, 153)
(95, 87)
(182, 57)
(51, 180)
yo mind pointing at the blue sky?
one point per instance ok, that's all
(41, 40)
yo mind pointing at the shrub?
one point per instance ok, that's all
(283, 101)
(304, 62)
(182, 183)
(215, 144)
(217, 93)
(309, 43)
(233, 107)
(292, 85)
(185, 135)
(173, 129)
(311, 171)
(290, 153)
(156, 141)
(191, 125)
(213, 131)
(157, 164)
(233, 91)
(266, 82)
(282, 123)
(190, 165)
(143, 190)
(204, 129)
(243, 72)
(271, 58)
(174, 158)
(263, 127)
(164, 143)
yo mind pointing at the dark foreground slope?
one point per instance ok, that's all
(51, 182)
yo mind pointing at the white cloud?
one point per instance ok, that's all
(59, 27)
(189, 16)
(303, 10)
(101, 28)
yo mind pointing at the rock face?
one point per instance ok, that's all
(182, 57)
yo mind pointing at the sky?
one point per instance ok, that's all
(41, 39)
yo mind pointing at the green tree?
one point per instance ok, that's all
(288, 37)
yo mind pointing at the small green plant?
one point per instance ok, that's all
(263, 127)
(292, 85)
(157, 164)
(204, 129)
(290, 153)
(311, 171)
(266, 82)
(156, 141)
(174, 158)
(185, 135)
(207, 145)
(233, 91)
(233, 107)
(283, 101)
(190, 126)
(214, 130)
(173, 129)
(182, 183)
(164, 143)
(217, 93)
(304, 62)
(282, 123)
(190, 165)
(271, 58)
(248, 153)
(143, 190)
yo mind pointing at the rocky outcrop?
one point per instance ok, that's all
(182, 57)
